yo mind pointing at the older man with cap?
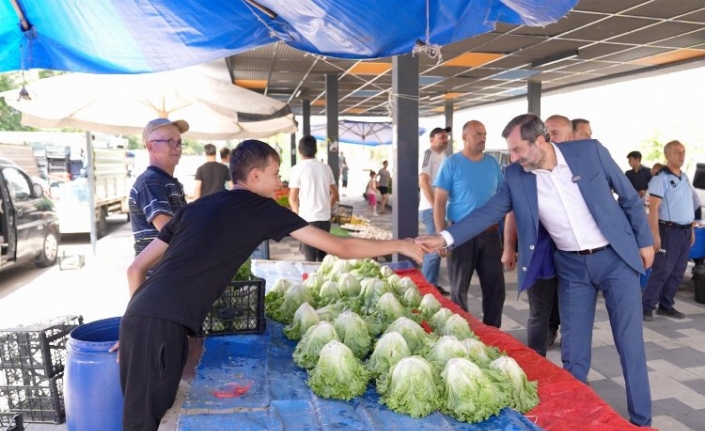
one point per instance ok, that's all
(156, 195)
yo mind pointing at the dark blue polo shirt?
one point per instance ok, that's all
(154, 192)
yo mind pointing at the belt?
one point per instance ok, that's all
(589, 250)
(679, 226)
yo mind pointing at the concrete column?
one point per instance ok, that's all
(306, 116)
(533, 94)
(293, 149)
(449, 123)
(405, 190)
(332, 122)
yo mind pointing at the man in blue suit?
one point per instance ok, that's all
(566, 214)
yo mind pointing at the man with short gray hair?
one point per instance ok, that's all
(156, 195)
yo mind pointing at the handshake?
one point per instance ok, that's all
(422, 244)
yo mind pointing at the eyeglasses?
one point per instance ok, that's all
(172, 143)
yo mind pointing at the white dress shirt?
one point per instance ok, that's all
(562, 208)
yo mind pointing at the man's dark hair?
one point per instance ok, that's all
(209, 149)
(578, 121)
(438, 130)
(248, 155)
(224, 153)
(308, 146)
(530, 128)
(634, 155)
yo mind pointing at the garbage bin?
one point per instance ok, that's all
(699, 283)
(92, 378)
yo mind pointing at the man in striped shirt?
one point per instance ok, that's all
(156, 194)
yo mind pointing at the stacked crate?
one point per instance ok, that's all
(32, 361)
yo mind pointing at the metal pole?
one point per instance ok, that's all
(91, 188)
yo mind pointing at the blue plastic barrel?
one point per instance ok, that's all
(92, 378)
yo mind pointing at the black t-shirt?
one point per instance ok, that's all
(639, 179)
(208, 241)
(213, 176)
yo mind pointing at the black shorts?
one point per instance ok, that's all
(345, 184)
(383, 190)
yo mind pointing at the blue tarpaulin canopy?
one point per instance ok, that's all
(123, 36)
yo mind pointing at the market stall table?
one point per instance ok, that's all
(252, 381)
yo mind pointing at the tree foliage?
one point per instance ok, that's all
(10, 119)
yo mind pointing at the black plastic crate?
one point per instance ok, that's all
(11, 422)
(42, 402)
(37, 350)
(343, 214)
(239, 310)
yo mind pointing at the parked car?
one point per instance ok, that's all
(29, 224)
(698, 181)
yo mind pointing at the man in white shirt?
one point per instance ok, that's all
(597, 243)
(312, 192)
(430, 164)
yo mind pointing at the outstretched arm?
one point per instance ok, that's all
(357, 248)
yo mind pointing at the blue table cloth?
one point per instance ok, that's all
(279, 399)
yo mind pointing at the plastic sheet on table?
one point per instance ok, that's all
(279, 398)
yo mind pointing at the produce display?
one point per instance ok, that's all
(361, 228)
(356, 321)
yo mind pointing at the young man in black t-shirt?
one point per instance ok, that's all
(197, 254)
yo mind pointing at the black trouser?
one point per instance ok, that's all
(543, 298)
(482, 254)
(313, 254)
(153, 353)
(668, 268)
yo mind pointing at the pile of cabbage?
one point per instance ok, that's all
(357, 322)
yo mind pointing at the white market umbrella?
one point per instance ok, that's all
(367, 133)
(123, 104)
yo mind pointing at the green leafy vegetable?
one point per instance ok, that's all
(338, 373)
(439, 319)
(411, 298)
(389, 350)
(327, 264)
(329, 293)
(294, 296)
(354, 333)
(458, 326)
(389, 309)
(445, 349)
(386, 272)
(410, 387)
(304, 318)
(416, 338)
(309, 348)
(479, 352)
(468, 394)
(244, 273)
(330, 311)
(523, 394)
(371, 289)
(429, 306)
(348, 285)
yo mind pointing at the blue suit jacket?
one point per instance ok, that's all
(623, 222)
